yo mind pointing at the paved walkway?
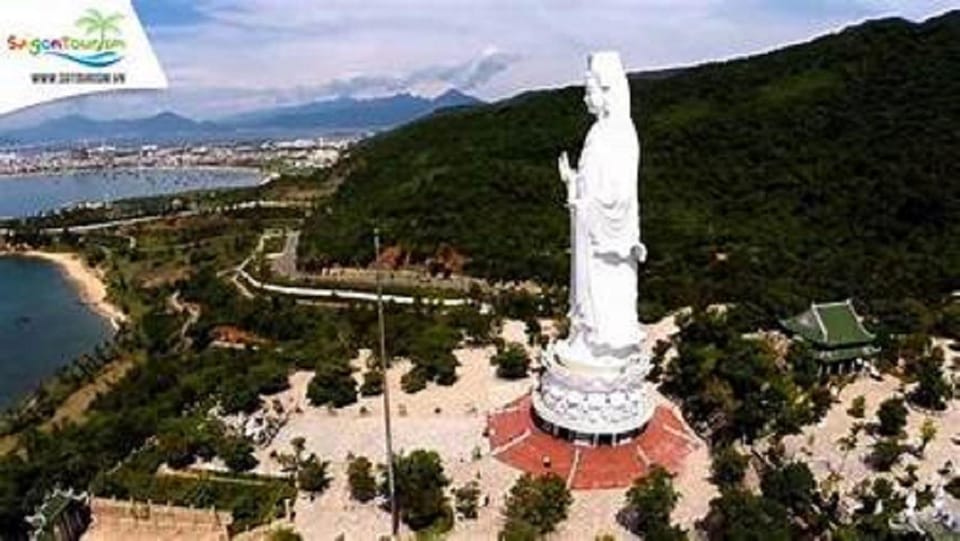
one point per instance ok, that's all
(342, 294)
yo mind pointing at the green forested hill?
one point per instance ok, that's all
(823, 170)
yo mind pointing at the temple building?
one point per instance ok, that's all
(63, 516)
(836, 335)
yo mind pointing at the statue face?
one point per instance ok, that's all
(594, 97)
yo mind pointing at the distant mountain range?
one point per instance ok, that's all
(351, 113)
(335, 115)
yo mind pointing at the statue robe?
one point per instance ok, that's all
(606, 240)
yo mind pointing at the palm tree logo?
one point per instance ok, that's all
(94, 22)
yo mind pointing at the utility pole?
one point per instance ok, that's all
(394, 511)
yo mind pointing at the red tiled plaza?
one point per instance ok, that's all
(516, 440)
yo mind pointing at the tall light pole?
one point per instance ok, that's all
(394, 511)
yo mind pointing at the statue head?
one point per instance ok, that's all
(607, 89)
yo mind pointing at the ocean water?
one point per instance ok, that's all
(22, 196)
(43, 325)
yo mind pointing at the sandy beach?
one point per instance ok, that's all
(88, 281)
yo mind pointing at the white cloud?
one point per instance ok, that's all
(249, 53)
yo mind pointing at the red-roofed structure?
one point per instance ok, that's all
(516, 441)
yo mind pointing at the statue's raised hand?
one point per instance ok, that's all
(641, 252)
(567, 174)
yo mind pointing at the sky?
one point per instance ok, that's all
(229, 56)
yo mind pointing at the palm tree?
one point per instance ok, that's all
(94, 21)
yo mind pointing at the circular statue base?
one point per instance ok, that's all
(517, 439)
(601, 402)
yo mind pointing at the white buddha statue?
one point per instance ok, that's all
(605, 217)
(593, 384)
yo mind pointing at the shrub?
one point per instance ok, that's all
(312, 476)
(519, 530)
(363, 487)
(332, 384)
(932, 390)
(432, 354)
(885, 453)
(822, 400)
(512, 362)
(285, 535)
(953, 487)
(237, 454)
(891, 417)
(413, 381)
(928, 431)
(467, 499)
(858, 407)
(372, 383)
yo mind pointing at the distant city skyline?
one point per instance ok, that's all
(229, 56)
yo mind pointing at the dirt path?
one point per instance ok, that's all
(193, 315)
(75, 407)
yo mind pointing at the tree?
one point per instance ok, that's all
(885, 453)
(533, 331)
(176, 450)
(238, 395)
(420, 484)
(332, 384)
(285, 534)
(730, 385)
(467, 499)
(519, 530)
(476, 326)
(512, 362)
(858, 407)
(541, 502)
(237, 454)
(649, 503)
(891, 417)
(660, 350)
(312, 476)
(928, 431)
(806, 369)
(413, 381)
(363, 487)
(432, 354)
(372, 383)
(932, 390)
(739, 515)
(299, 445)
(822, 400)
(849, 442)
(792, 486)
(728, 467)
(157, 328)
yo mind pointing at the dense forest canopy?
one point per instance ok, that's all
(822, 170)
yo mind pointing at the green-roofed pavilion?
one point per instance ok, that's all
(835, 332)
